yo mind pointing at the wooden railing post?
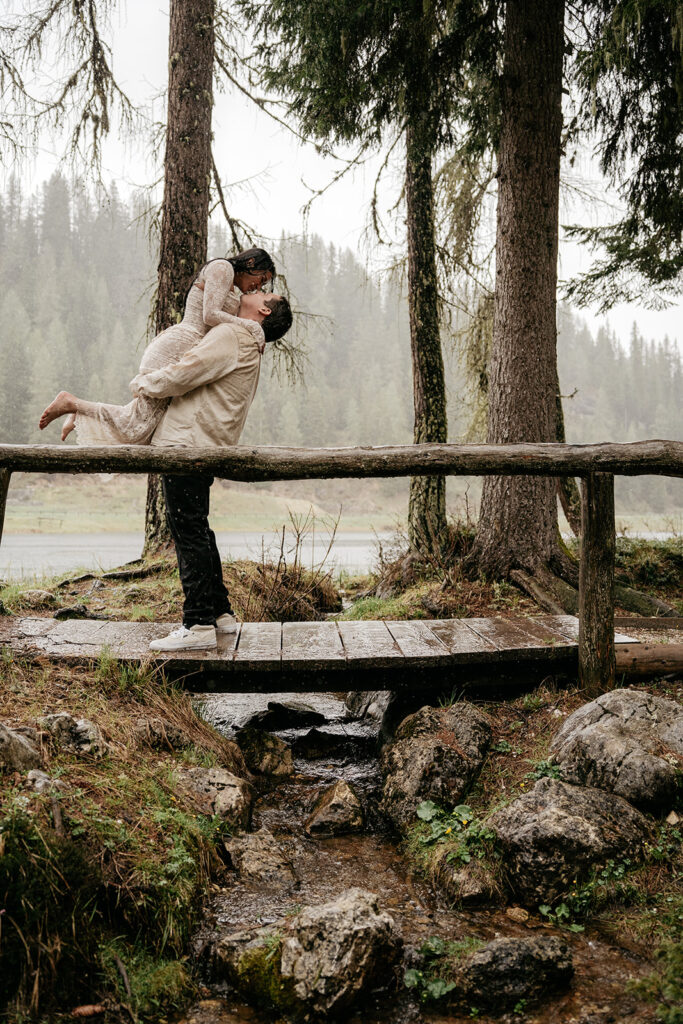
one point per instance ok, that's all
(5, 477)
(597, 668)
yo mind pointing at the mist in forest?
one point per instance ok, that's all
(77, 285)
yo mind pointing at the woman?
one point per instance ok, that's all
(211, 300)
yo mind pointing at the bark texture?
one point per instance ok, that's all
(427, 507)
(187, 176)
(518, 520)
(243, 462)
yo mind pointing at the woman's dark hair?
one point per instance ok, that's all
(278, 323)
(251, 261)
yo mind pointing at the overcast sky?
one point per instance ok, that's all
(249, 145)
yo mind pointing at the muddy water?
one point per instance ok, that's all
(372, 861)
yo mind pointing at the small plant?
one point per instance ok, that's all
(544, 770)
(502, 747)
(432, 982)
(532, 702)
(459, 826)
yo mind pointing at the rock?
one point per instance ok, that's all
(160, 734)
(134, 593)
(257, 857)
(44, 783)
(284, 715)
(518, 914)
(556, 833)
(368, 704)
(337, 739)
(467, 884)
(76, 611)
(17, 754)
(337, 812)
(81, 736)
(627, 742)
(319, 962)
(265, 753)
(37, 599)
(672, 818)
(507, 970)
(225, 793)
(436, 755)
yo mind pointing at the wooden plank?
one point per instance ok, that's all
(659, 622)
(259, 647)
(460, 639)
(597, 666)
(505, 634)
(569, 626)
(368, 644)
(312, 645)
(416, 641)
(548, 636)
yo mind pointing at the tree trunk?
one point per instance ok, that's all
(427, 508)
(518, 519)
(567, 487)
(187, 176)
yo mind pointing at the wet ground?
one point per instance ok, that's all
(325, 868)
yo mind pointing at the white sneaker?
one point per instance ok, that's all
(197, 638)
(226, 623)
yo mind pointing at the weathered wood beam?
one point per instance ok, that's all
(5, 477)
(642, 660)
(596, 584)
(257, 464)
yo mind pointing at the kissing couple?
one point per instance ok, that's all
(196, 383)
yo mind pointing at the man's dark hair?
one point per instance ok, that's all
(278, 323)
(251, 261)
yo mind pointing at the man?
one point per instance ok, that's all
(212, 388)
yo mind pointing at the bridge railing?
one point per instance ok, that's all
(595, 464)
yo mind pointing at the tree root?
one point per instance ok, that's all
(551, 592)
(557, 591)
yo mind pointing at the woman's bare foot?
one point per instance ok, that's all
(69, 425)
(64, 403)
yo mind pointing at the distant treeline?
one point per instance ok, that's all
(76, 285)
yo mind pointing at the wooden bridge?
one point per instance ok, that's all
(264, 652)
(274, 657)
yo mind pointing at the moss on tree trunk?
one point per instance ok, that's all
(427, 508)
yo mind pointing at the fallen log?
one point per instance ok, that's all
(642, 660)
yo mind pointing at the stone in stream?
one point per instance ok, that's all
(337, 812)
(17, 754)
(436, 754)
(505, 971)
(556, 833)
(265, 753)
(318, 963)
(283, 715)
(256, 857)
(80, 736)
(628, 742)
(224, 793)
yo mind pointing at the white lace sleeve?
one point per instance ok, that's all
(219, 278)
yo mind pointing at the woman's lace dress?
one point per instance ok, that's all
(215, 303)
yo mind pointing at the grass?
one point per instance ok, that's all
(122, 878)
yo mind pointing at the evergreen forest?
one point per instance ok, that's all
(77, 286)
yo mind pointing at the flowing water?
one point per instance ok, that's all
(372, 860)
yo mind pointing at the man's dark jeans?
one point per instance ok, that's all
(201, 573)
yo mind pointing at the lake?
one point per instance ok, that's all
(35, 554)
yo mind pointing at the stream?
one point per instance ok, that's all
(344, 749)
